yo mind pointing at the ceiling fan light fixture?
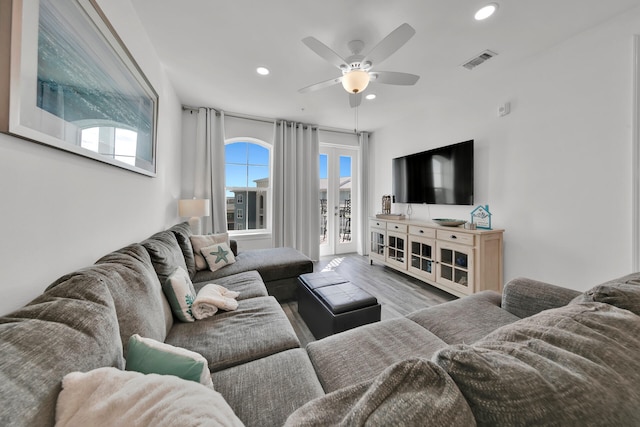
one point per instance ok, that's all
(355, 81)
(486, 11)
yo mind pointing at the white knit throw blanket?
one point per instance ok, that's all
(211, 298)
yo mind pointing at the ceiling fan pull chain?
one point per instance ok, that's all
(356, 120)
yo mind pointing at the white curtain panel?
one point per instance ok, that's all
(209, 168)
(363, 193)
(296, 205)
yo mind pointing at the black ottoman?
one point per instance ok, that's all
(330, 304)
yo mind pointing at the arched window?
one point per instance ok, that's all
(247, 184)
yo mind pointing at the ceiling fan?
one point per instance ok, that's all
(357, 68)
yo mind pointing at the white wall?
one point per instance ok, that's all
(557, 171)
(61, 212)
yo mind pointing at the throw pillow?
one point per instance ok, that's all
(111, 397)
(573, 365)
(180, 293)
(218, 256)
(149, 356)
(201, 241)
(624, 295)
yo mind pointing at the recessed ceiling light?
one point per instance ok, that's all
(371, 96)
(262, 71)
(486, 11)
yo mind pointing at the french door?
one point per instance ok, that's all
(338, 199)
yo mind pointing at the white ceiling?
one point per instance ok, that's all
(211, 48)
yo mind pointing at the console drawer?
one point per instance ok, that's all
(422, 231)
(455, 237)
(394, 226)
(374, 223)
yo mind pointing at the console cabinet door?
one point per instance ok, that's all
(455, 267)
(422, 257)
(397, 249)
(378, 244)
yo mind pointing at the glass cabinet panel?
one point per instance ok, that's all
(454, 265)
(421, 261)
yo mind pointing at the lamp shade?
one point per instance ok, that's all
(355, 81)
(194, 207)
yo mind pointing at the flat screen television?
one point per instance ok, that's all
(442, 176)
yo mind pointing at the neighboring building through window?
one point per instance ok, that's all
(247, 178)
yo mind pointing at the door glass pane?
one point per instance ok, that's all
(426, 265)
(400, 243)
(426, 251)
(345, 199)
(415, 248)
(415, 261)
(323, 199)
(461, 260)
(461, 277)
(446, 256)
(446, 272)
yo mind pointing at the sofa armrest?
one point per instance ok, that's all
(234, 247)
(525, 297)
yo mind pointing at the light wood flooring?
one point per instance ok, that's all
(397, 293)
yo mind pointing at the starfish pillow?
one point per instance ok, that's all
(218, 255)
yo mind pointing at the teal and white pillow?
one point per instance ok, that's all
(218, 255)
(149, 356)
(180, 293)
(200, 241)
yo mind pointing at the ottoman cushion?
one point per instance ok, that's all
(345, 297)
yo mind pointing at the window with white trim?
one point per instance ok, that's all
(247, 184)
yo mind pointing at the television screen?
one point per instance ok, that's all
(442, 176)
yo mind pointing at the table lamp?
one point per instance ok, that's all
(194, 209)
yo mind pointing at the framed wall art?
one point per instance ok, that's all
(70, 83)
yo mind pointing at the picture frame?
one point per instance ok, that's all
(70, 83)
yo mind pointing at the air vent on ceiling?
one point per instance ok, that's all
(479, 59)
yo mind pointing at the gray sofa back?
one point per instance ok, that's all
(71, 327)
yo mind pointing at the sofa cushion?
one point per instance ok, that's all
(573, 365)
(165, 253)
(464, 320)
(623, 293)
(218, 256)
(258, 328)
(154, 357)
(266, 391)
(110, 397)
(140, 303)
(249, 284)
(198, 242)
(180, 293)
(68, 328)
(183, 233)
(414, 392)
(362, 353)
(272, 264)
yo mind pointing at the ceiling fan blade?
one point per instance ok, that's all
(324, 51)
(394, 78)
(355, 99)
(394, 41)
(321, 85)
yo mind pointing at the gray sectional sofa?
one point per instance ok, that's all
(537, 354)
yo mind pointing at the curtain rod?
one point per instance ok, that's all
(267, 120)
